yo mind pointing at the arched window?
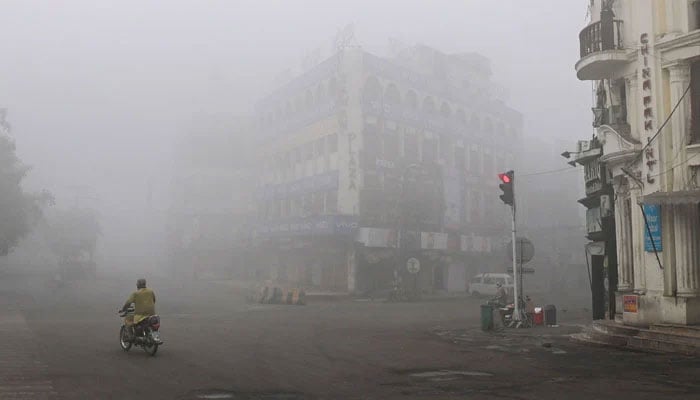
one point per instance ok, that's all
(429, 105)
(445, 110)
(411, 99)
(392, 95)
(372, 91)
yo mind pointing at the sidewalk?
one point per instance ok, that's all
(23, 376)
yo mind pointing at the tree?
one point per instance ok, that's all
(19, 211)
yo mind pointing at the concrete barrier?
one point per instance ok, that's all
(278, 295)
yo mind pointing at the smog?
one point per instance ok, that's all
(349, 199)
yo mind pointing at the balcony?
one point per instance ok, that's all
(602, 50)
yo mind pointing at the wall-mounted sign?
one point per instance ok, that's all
(630, 303)
(652, 228)
(647, 103)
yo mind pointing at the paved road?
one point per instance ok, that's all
(217, 345)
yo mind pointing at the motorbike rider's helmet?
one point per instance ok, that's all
(498, 284)
(141, 283)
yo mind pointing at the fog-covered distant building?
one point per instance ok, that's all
(362, 147)
(209, 228)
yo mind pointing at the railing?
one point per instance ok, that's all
(601, 36)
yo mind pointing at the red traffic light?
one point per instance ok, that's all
(505, 178)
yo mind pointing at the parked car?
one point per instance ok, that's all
(485, 284)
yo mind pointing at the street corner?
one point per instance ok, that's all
(554, 340)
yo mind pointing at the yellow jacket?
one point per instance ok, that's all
(144, 300)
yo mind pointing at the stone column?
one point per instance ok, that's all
(638, 228)
(623, 235)
(680, 79)
(632, 106)
(687, 246)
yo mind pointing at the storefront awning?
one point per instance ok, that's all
(679, 197)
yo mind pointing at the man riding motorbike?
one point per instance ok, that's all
(144, 300)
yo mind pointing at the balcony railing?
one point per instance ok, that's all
(601, 36)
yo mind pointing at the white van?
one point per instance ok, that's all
(485, 284)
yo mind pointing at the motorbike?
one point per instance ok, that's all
(144, 334)
(506, 311)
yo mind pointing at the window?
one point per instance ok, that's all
(372, 92)
(695, 99)
(430, 148)
(476, 279)
(392, 95)
(372, 148)
(489, 280)
(410, 147)
(296, 207)
(391, 147)
(317, 203)
(411, 99)
(445, 110)
(332, 143)
(331, 202)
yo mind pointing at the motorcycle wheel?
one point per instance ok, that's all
(124, 339)
(150, 348)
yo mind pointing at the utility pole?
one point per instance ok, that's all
(516, 270)
(508, 197)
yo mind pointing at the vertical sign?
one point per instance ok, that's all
(647, 102)
(653, 232)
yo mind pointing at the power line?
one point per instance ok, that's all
(661, 128)
(550, 172)
(675, 166)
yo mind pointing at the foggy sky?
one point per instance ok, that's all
(97, 91)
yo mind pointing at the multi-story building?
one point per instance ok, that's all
(369, 161)
(643, 57)
(212, 195)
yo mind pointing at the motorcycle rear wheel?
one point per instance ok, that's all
(124, 341)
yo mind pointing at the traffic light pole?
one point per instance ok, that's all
(516, 289)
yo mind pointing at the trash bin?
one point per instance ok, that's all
(550, 314)
(486, 317)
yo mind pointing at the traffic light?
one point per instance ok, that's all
(507, 179)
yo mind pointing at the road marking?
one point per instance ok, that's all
(22, 374)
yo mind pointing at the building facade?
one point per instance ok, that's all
(643, 57)
(370, 161)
